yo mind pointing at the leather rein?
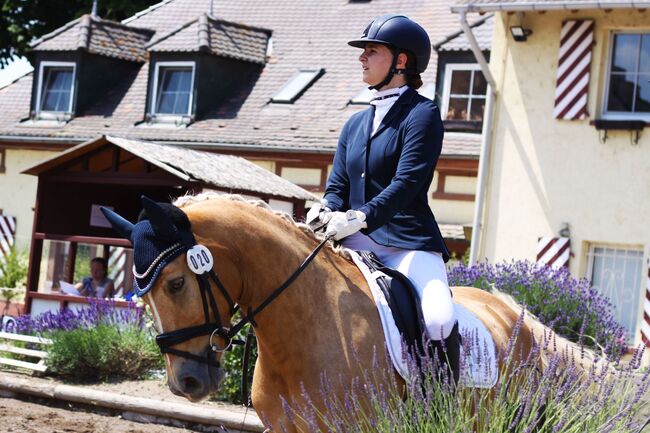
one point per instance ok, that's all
(166, 340)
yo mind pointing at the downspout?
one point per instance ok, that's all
(486, 141)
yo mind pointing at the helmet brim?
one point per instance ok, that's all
(361, 43)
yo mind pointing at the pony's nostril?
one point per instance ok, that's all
(190, 384)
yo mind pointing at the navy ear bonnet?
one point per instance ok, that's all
(163, 232)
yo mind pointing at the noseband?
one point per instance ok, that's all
(214, 329)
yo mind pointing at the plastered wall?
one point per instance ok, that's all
(18, 191)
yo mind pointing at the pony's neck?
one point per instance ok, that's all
(269, 254)
(257, 249)
(267, 250)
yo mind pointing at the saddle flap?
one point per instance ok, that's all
(402, 298)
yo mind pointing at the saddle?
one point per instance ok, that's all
(403, 300)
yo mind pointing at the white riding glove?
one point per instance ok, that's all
(342, 224)
(319, 212)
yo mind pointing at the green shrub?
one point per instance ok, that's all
(230, 389)
(82, 262)
(13, 269)
(107, 351)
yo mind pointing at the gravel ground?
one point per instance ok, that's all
(22, 414)
(34, 417)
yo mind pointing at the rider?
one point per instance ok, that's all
(376, 194)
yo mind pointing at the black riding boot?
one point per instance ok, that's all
(448, 355)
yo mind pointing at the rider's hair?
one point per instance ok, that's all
(101, 260)
(412, 80)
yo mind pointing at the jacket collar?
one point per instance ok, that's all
(405, 99)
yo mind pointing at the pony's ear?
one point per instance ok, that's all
(160, 221)
(119, 224)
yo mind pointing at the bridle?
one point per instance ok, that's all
(216, 328)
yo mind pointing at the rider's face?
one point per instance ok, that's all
(375, 61)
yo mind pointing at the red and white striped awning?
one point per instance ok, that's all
(576, 41)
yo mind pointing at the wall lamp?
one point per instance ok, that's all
(519, 33)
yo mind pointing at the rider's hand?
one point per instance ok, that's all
(343, 224)
(319, 212)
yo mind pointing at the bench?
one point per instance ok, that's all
(7, 341)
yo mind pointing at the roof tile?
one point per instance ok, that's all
(513, 5)
(97, 36)
(304, 36)
(219, 37)
(457, 41)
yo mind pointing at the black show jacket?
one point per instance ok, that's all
(387, 175)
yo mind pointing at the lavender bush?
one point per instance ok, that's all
(98, 311)
(100, 342)
(562, 398)
(570, 306)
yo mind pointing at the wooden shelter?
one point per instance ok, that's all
(115, 172)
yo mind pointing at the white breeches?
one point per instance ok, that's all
(427, 271)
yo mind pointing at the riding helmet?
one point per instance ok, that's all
(399, 33)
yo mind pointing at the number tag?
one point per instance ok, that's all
(199, 259)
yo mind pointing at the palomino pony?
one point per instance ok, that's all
(324, 322)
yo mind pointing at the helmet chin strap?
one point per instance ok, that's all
(391, 72)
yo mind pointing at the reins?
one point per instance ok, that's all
(172, 338)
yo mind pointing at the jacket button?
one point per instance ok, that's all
(363, 175)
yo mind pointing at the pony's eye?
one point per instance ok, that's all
(175, 285)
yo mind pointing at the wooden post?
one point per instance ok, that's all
(72, 257)
(35, 255)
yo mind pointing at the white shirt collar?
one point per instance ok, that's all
(382, 97)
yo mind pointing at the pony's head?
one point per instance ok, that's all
(172, 275)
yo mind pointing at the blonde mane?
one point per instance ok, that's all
(190, 199)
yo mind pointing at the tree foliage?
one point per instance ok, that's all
(22, 21)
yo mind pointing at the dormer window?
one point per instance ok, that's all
(56, 87)
(172, 91)
(297, 85)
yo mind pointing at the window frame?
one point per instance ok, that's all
(154, 92)
(618, 115)
(446, 88)
(39, 89)
(589, 255)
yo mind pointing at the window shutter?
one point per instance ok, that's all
(553, 252)
(645, 325)
(574, 63)
(7, 235)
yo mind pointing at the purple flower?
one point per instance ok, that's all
(98, 311)
(570, 306)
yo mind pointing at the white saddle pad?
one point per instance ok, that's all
(478, 367)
